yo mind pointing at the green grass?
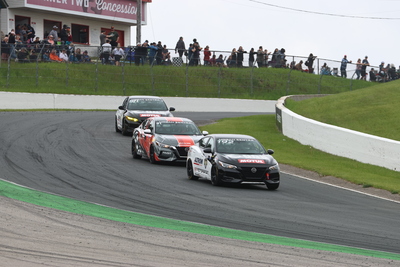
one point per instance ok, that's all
(92, 79)
(291, 152)
(374, 110)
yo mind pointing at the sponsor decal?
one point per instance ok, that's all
(198, 161)
(256, 161)
(149, 115)
(184, 141)
(200, 170)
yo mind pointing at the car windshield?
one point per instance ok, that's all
(150, 104)
(239, 146)
(177, 128)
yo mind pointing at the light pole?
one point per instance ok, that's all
(139, 22)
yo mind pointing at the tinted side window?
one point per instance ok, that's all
(125, 103)
(203, 142)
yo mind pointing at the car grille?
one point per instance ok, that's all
(182, 151)
(259, 175)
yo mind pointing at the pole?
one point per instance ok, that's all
(139, 22)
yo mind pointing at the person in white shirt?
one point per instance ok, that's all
(118, 53)
(63, 55)
(106, 52)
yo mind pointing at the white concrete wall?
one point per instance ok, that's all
(340, 141)
(9, 100)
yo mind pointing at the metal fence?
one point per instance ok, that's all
(141, 71)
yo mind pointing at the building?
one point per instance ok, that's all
(86, 18)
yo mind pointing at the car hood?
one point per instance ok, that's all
(244, 160)
(178, 140)
(144, 114)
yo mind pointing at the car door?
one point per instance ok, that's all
(121, 111)
(146, 135)
(200, 160)
(208, 162)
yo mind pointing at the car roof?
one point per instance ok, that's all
(176, 119)
(143, 97)
(218, 136)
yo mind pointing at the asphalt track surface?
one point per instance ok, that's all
(79, 155)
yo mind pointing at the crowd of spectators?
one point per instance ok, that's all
(23, 45)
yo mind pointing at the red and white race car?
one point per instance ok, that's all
(165, 138)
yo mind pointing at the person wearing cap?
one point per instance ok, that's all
(85, 57)
(54, 33)
(343, 67)
(63, 34)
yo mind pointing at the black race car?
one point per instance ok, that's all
(135, 109)
(164, 138)
(232, 158)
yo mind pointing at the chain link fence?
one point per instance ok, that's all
(163, 72)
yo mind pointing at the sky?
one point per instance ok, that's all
(328, 29)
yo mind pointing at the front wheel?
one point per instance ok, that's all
(272, 186)
(190, 171)
(215, 179)
(124, 129)
(152, 156)
(135, 150)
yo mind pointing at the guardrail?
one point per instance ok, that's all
(338, 141)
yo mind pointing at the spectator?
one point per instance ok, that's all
(260, 57)
(392, 72)
(165, 52)
(54, 33)
(190, 54)
(310, 62)
(274, 59)
(207, 56)
(325, 70)
(69, 34)
(358, 68)
(365, 63)
(167, 61)
(64, 34)
(281, 61)
(251, 57)
(220, 61)
(372, 75)
(196, 53)
(33, 57)
(299, 66)
(213, 60)
(114, 37)
(239, 58)
(233, 58)
(23, 55)
(78, 55)
(103, 37)
(159, 55)
(140, 54)
(46, 56)
(64, 56)
(152, 53)
(180, 47)
(11, 43)
(343, 66)
(5, 49)
(266, 56)
(118, 53)
(54, 57)
(106, 52)
(85, 57)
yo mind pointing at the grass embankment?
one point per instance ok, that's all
(291, 152)
(243, 83)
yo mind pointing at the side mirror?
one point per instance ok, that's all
(121, 107)
(171, 109)
(270, 151)
(204, 132)
(147, 131)
(207, 150)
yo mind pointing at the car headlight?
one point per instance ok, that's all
(163, 145)
(226, 165)
(131, 118)
(274, 167)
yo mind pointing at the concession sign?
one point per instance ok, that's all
(115, 8)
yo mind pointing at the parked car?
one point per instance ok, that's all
(135, 109)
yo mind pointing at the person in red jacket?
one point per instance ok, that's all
(207, 56)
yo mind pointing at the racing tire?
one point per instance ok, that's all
(116, 126)
(190, 170)
(124, 129)
(151, 156)
(215, 179)
(134, 150)
(272, 186)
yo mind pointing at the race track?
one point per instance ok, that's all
(79, 155)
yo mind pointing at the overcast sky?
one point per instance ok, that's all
(227, 24)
